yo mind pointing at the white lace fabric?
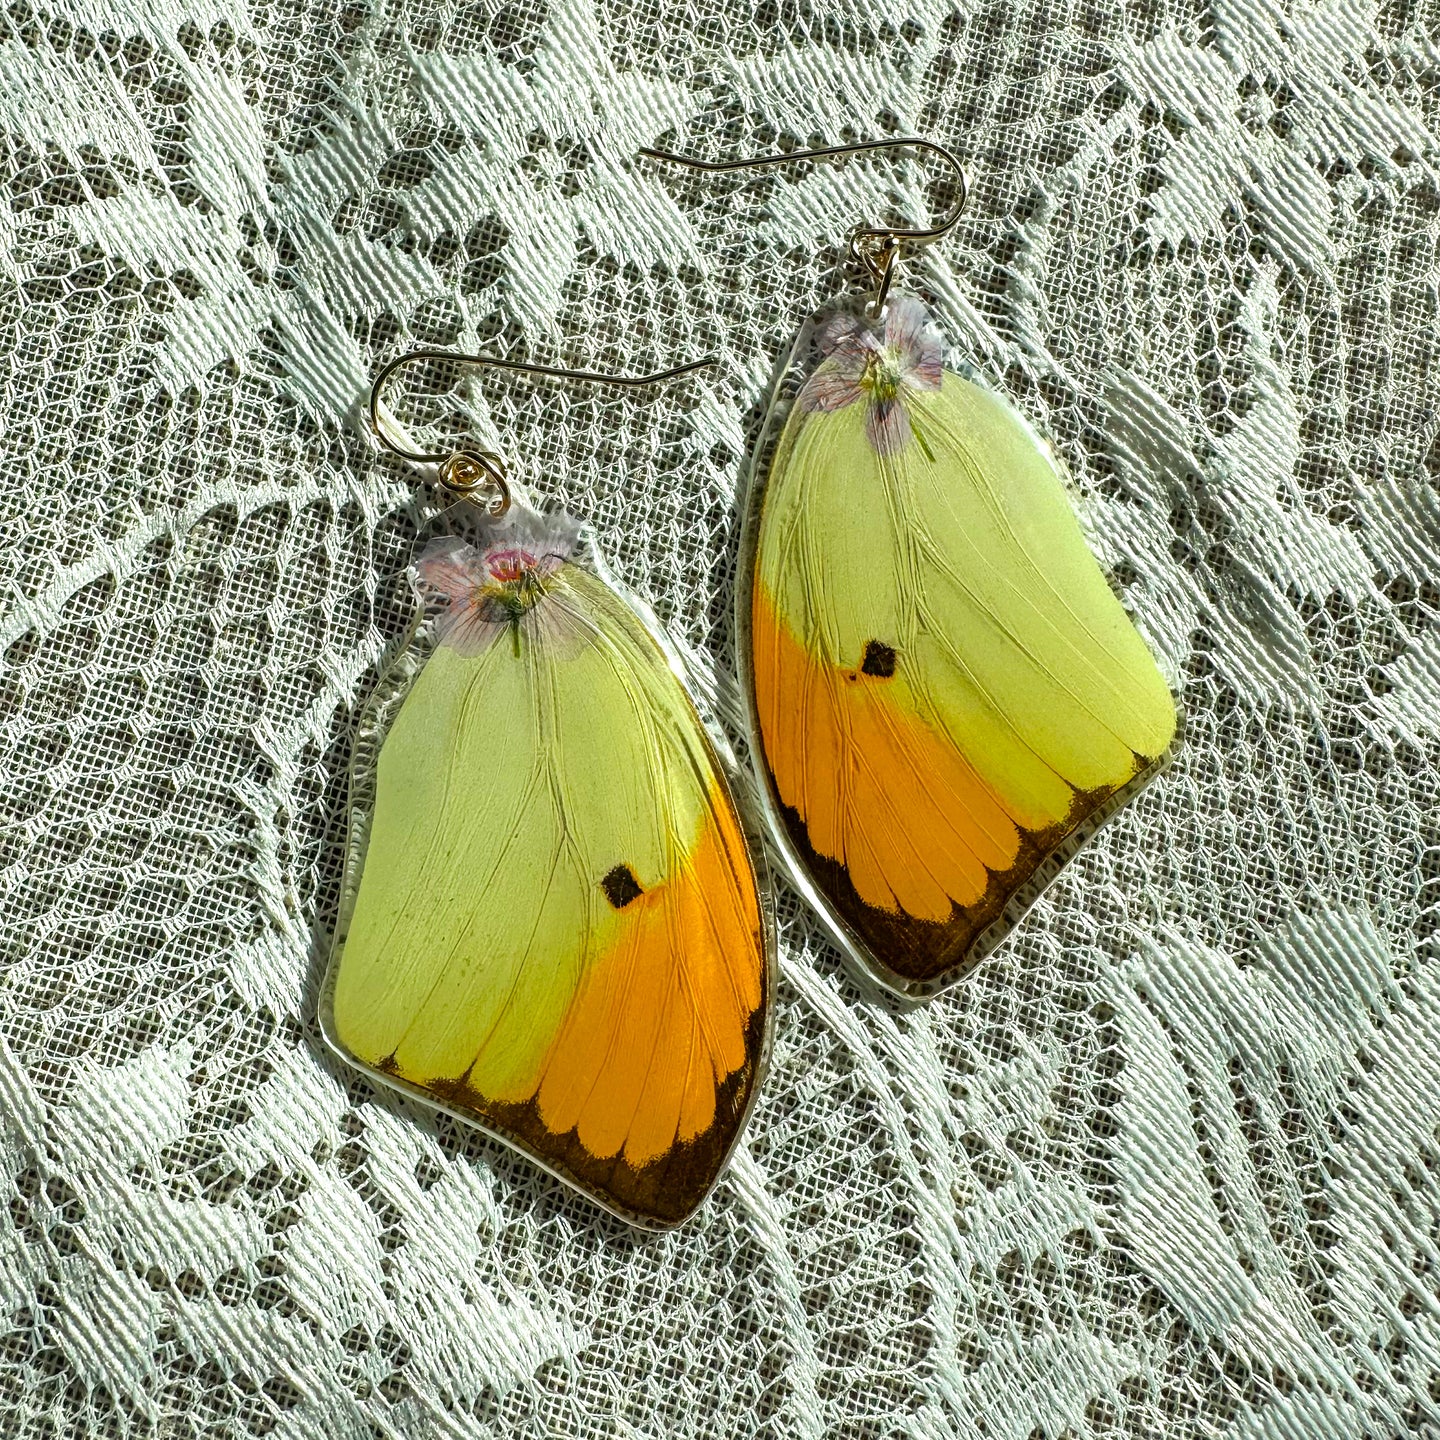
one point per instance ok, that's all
(1169, 1163)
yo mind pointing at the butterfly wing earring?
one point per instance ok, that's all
(551, 925)
(946, 696)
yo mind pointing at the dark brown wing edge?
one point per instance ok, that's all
(657, 1196)
(920, 957)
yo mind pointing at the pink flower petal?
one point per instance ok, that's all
(911, 333)
(451, 567)
(848, 339)
(831, 387)
(888, 428)
(480, 584)
(509, 562)
(552, 539)
(457, 571)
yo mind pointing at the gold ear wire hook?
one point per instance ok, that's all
(877, 246)
(467, 472)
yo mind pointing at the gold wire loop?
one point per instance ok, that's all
(476, 473)
(473, 475)
(876, 246)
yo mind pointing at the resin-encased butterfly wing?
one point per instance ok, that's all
(947, 692)
(557, 932)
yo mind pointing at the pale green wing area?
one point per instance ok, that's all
(507, 788)
(962, 552)
(834, 548)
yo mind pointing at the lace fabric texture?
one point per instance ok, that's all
(1169, 1163)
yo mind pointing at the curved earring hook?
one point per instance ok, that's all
(876, 245)
(466, 472)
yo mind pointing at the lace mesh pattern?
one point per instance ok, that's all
(1169, 1164)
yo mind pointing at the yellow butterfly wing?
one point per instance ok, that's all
(557, 931)
(945, 686)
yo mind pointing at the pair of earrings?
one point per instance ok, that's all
(552, 925)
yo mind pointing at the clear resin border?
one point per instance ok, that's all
(372, 726)
(788, 378)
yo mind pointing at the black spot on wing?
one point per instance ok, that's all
(879, 660)
(621, 886)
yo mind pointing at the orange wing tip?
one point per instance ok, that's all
(654, 1068)
(879, 792)
(663, 1014)
(919, 956)
(918, 865)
